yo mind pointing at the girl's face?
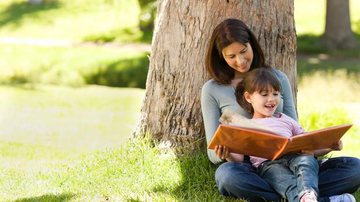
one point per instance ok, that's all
(239, 57)
(264, 102)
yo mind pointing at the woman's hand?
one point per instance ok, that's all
(338, 146)
(221, 151)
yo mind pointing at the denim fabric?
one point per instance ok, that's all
(291, 176)
(336, 176)
(240, 180)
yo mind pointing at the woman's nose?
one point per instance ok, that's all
(240, 60)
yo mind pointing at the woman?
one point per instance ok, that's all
(233, 50)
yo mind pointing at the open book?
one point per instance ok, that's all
(266, 144)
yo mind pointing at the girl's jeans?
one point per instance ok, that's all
(291, 176)
(336, 176)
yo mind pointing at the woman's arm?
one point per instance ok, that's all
(286, 92)
(211, 113)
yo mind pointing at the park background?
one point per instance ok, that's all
(72, 78)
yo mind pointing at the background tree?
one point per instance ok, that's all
(338, 33)
(147, 15)
(171, 110)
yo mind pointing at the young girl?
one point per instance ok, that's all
(295, 176)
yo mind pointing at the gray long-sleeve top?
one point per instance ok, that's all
(216, 98)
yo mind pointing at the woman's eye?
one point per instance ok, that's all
(244, 51)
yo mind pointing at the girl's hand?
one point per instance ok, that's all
(221, 151)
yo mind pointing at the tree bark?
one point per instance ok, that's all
(171, 112)
(338, 34)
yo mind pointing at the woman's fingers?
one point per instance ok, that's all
(221, 151)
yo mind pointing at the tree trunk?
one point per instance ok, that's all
(338, 34)
(171, 111)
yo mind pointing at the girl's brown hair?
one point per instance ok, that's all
(259, 79)
(224, 34)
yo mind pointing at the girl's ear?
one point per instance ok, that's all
(247, 96)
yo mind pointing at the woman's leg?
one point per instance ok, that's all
(339, 175)
(240, 180)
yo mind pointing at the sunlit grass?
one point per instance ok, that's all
(331, 98)
(87, 159)
(81, 119)
(72, 20)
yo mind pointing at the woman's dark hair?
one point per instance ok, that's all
(224, 34)
(259, 79)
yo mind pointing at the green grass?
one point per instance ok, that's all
(73, 20)
(73, 66)
(71, 143)
(80, 119)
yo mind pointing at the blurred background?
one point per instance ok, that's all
(73, 73)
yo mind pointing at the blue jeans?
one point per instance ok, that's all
(336, 176)
(291, 176)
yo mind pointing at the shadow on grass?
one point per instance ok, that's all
(15, 13)
(197, 180)
(126, 35)
(312, 44)
(47, 198)
(122, 73)
(310, 64)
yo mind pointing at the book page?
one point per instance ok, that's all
(318, 139)
(248, 141)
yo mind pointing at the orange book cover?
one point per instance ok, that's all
(266, 144)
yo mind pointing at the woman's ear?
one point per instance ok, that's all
(247, 96)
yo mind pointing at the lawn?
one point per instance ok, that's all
(69, 20)
(69, 142)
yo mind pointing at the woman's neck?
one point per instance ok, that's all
(237, 78)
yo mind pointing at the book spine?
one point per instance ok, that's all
(277, 154)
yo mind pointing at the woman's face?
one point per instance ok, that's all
(238, 56)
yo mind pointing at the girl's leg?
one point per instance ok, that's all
(240, 180)
(339, 175)
(281, 178)
(306, 169)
